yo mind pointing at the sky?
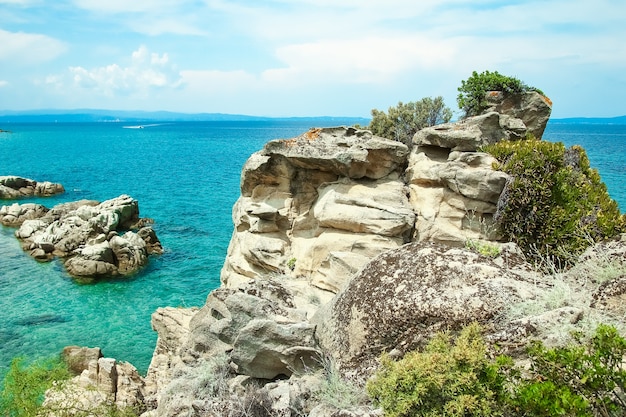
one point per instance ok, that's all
(284, 58)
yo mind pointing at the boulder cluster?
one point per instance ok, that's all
(12, 187)
(93, 239)
(347, 245)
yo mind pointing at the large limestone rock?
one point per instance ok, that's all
(12, 187)
(310, 206)
(403, 296)
(320, 205)
(93, 238)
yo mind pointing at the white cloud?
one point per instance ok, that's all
(18, 48)
(146, 72)
(3, 83)
(364, 60)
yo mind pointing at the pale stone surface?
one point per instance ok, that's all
(172, 327)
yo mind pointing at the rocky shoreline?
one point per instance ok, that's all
(347, 245)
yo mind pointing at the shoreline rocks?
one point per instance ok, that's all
(93, 239)
(12, 187)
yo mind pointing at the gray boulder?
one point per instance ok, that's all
(12, 187)
(404, 296)
(16, 214)
(92, 238)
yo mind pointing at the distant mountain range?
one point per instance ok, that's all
(92, 115)
(620, 120)
(125, 116)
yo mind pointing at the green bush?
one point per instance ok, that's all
(404, 120)
(584, 378)
(25, 385)
(555, 205)
(472, 92)
(445, 380)
(579, 380)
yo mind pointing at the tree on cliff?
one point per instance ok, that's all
(400, 123)
(473, 91)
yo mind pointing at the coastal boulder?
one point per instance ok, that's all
(16, 214)
(12, 187)
(509, 117)
(258, 325)
(400, 299)
(92, 238)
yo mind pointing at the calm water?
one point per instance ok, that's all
(186, 177)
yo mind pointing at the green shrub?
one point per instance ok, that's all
(404, 120)
(445, 380)
(472, 92)
(584, 378)
(555, 205)
(25, 385)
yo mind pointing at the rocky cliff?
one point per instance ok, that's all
(346, 245)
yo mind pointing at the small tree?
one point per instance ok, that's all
(472, 92)
(400, 123)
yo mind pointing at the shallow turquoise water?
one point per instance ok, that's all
(186, 177)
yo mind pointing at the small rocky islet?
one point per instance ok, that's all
(93, 239)
(347, 245)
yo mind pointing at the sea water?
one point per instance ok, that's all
(185, 177)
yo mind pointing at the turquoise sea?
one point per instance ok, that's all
(186, 177)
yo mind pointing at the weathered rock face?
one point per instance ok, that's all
(320, 205)
(12, 187)
(86, 234)
(329, 199)
(405, 295)
(258, 324)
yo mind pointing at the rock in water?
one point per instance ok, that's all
(94, 239)
(12, 187)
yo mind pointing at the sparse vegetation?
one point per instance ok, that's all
(338, 392)
(400, 123)
(291, 263)
(488, 249)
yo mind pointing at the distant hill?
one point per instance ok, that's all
(620, 120)
(93, 115)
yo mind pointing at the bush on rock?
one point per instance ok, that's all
(555, 205)
(472, 98)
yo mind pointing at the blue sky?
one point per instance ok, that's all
(305, 57)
